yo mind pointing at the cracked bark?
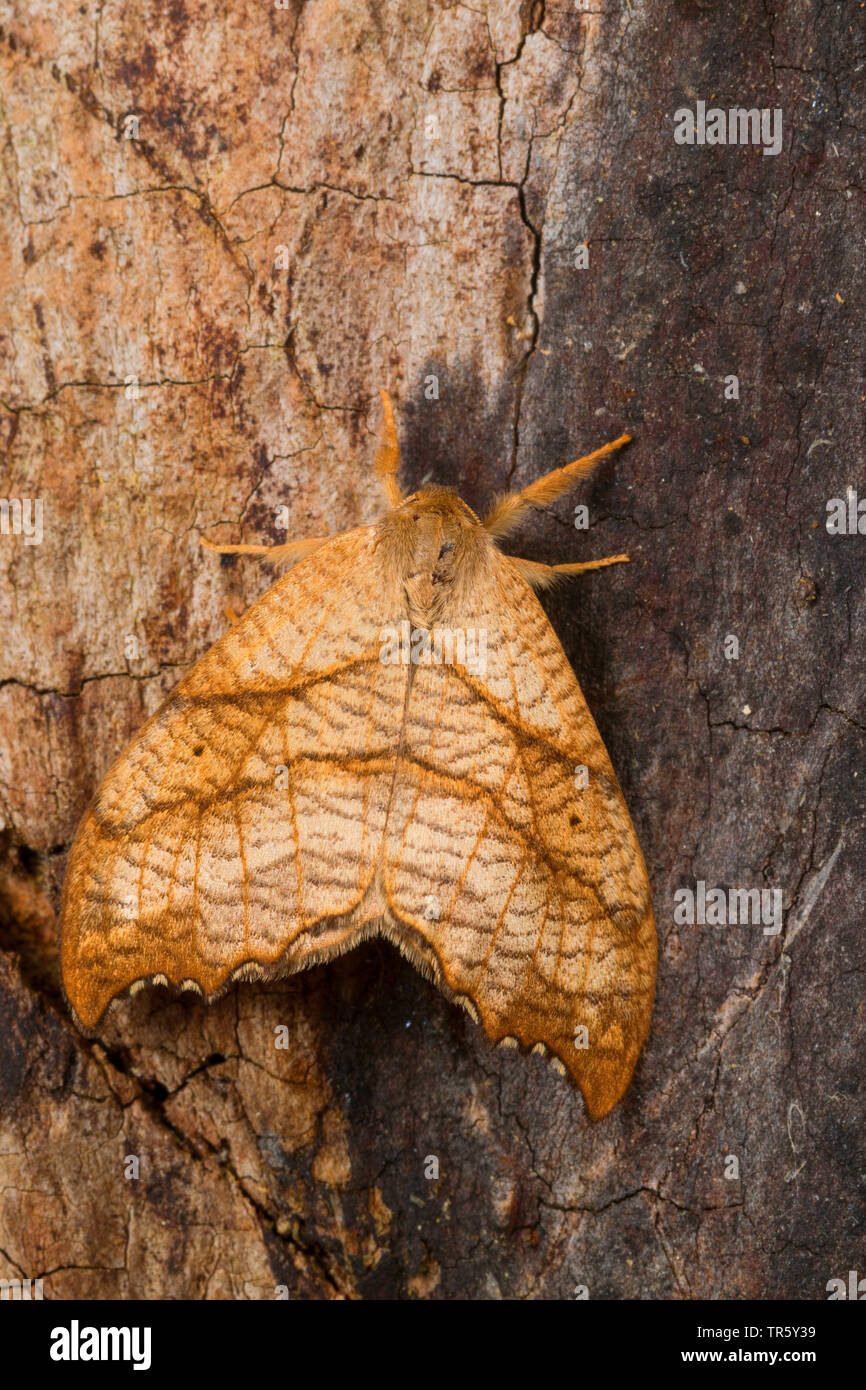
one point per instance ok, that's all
(430, 174)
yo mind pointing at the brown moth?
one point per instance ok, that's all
(344, 764)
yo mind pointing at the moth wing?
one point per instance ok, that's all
(245, 820)
(524, 893)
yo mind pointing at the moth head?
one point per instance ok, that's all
(429, 541)
(429, 513)
(439, 502)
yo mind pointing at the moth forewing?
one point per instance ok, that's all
(384, 743)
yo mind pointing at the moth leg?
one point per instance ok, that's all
(508, 511)
(544, 576)
(276, 554)
(387, 461)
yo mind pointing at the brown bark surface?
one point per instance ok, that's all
(197, 313)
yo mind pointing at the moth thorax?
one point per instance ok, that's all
(429, 567)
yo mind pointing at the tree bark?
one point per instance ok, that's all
(221, 237)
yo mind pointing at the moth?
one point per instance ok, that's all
(343, 764)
